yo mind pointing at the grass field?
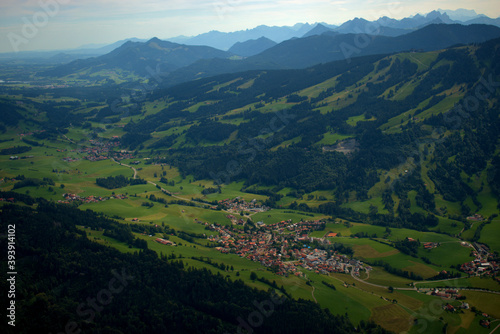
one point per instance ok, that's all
(381, 277)
(484, 302)
(447, 254)
(275, 216)
(364, 207)
(490, 235)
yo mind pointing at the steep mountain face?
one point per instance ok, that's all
(362, 26)
(415, 21)
(137, 57)
(251, 47)
(460, 14)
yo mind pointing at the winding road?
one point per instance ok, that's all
(424, 282)
(121, 164)
(159, 187)
(313, 294)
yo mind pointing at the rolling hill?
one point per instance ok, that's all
(137, 57)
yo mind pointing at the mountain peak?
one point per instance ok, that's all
(460, 14)
(251, 47)
(154, 40)
(317, 30)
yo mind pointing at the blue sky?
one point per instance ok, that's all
(64, 24)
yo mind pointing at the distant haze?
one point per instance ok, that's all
(63, 24)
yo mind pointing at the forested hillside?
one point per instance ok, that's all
(134, 293)
(418, 122)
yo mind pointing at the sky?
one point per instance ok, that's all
(27, 25)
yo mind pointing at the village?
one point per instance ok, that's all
(283, 247)
(100, 150)
(68, 198)
(482, 264)
(238, 204)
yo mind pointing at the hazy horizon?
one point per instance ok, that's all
(65, 24)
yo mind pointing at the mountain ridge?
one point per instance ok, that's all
(138, 57)
(304, 52)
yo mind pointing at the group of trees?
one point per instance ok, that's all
(409, 247)
(15, 150)
(119, 181)
(32, 182)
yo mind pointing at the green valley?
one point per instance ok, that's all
(367, 188)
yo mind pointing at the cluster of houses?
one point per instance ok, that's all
(30, 133)
(89, 199)
(446, 293)
(281, 246)
(481, 265)
(165, 242)
(486, 323)
(321, 261)
(431, 245)
(238, 204)
(99, 150)
(476, 218)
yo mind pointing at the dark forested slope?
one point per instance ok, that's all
(69, 284)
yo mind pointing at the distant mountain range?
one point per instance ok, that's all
(304, 52)
(225, 40)
(385, 27)
(188, 62)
